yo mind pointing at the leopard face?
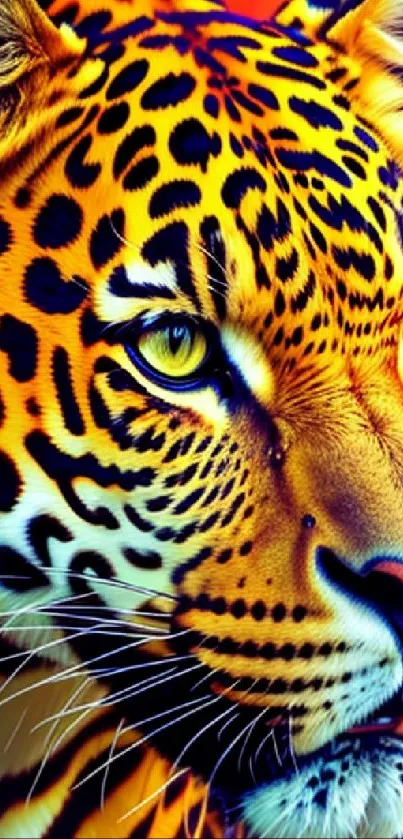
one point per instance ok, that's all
(201, 387)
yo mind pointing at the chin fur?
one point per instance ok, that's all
(354, 789)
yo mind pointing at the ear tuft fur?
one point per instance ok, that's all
(28, 39)
(371, 34)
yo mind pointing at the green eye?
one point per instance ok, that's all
(172, 352)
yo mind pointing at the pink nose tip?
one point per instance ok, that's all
(392, 567)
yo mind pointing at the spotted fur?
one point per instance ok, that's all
(195, 617)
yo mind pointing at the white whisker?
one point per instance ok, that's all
(15, 731)
(142, 740)
(110, 756)
(153, 795)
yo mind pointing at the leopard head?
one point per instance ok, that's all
(201, 389)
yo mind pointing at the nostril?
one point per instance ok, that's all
(375, 585)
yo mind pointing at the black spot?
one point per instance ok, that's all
(141, 173)
(79, 173)
(270, 228)
(168, 90)
(238, 183)
(47, 291)
(287, 266)
(40, 530)
(136, 520)
(165, 534)
(128, 79)
(132, 143)
(354, 166)
(316, 115)
(17, 573)
(236, 504)
(378, 212)
(149, 560)
(10, 483)
(299, 613)
(188, 502)
(32, 407)
(58, 223)
(19, 341)
(106, 239)
(224, 556)
(278, 612)
(306, 651)
(278, 71)
(93, 24)
(155, 505)
(171, 196)
(258, 610)
(211, 105)
(22, 197)
(279, 303)
(99, 410)
(321, 798)
(65, 392)
(321, 163)
(264, 95)
(170, 244)
(113, 118)
(238, 609)
(318, 237)
(190, 565)
(5, 236)
(363, 263)
(190, 144)
(68, 116)
(295, 55)
(246, 548)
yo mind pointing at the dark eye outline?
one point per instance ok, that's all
(204, 372)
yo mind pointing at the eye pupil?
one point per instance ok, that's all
(176, 336)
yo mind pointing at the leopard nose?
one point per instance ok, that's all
(379, 583)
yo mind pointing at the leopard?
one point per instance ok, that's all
(201, 419)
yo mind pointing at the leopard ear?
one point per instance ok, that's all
(29, 39)
(371, 34)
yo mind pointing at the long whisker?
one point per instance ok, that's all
(144, 739)
(107, 768)
(212, 257)
(109, 581)
(69, 673)
(202, 731)
(244, 744)
(112, 581)
(262, 743)
(129, 692)
(226, 752)
(226, 724)
(153, 795)
(15, 731)
(52, 747)
(32, 608)
(32, 654)
(104, 622)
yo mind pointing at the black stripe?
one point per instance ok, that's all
(65, 393)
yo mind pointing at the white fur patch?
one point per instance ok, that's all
(351, 792)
